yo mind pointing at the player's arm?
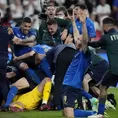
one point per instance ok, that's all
(28, 39)
(98, 43)
(24, 56)
(84, 32)
(76, 33)
(28, 44)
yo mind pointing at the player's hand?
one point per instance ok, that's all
(82, 17)
(15, 58)
(64, 34)
(10, 30)
(73, 17)
(16, 40)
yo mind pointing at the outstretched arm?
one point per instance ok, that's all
(96, 44)
(76, 33)
(84, 31)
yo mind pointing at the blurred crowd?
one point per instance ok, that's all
(14, 10)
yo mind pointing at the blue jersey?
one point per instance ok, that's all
(38, 49)
(20, 50)
(76, 70)
(89, 25)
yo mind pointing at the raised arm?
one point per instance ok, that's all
(84, 31)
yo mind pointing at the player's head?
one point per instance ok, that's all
(61, 12)
(50, 11)
(52, 26)
(79, 9)
(26, 25)
(108, 23)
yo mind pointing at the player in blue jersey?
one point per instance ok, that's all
(89, 23)
(24, 56)
(38, 75)
(72, 83)
(25, 37)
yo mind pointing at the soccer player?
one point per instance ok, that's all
(95, 72)
(72, 83)
(89, 23)
(31, 100)
(24, 39)
(5, 37)
(109, 42)
(38, 74)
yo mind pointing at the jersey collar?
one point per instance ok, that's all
(112, 30)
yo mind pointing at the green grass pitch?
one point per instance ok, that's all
(54, 114)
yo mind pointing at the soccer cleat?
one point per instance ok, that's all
(44, 107)
(96, 116)
(109, 105)
(16, 109)
(94, 104)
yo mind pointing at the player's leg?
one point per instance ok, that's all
(107, 81)
(86, 80)
(30, 74)
(95, 90)
(18, 85)
(21, 83)
(10, 75)
(3, 81)
(45, 88)
(68, 99)
(43, 64)
(96, 73)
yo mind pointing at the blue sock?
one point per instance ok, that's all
(12, 93)
(101, 108)
(30, 74)
(86, 94)
(83, 113)
(44, 65)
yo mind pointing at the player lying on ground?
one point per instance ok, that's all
(30, 100)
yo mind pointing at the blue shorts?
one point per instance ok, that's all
(97, 71)
(71, 97)
(109, 79)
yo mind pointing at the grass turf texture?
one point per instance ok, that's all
(55, 114)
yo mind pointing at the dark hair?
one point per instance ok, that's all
(51, 22)
(27, 20)
(108, 20)
(81, 6)
(70, 11)
(62, 8)
(49, 5)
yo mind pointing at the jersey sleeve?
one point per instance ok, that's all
(33, 32)
(38, 49)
